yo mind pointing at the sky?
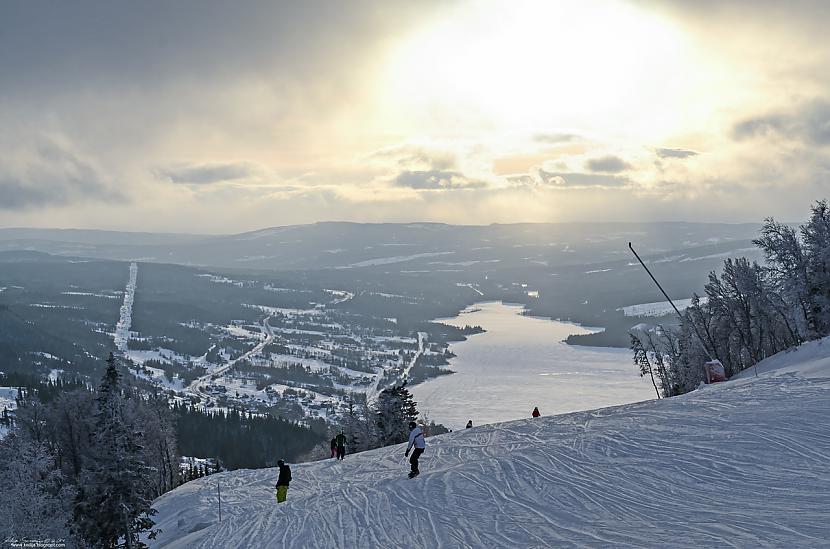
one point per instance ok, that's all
(215, 117)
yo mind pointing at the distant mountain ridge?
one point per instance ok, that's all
(328, 245)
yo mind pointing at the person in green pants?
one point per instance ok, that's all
(283, 481)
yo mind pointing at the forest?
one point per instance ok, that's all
(750, 311)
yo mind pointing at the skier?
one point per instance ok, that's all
(536, 412)
(469, 424)
(282, 481)
(416, 439)
(341, 445)
(333, 447)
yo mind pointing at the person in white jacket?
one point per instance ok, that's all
(416, 439)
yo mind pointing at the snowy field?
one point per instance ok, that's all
(739, 464)
(521, 362)
(659, 308)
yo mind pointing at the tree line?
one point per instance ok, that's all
(750, 311)
(83, 464)
(384, 422)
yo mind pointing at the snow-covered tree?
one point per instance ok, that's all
(786, 269)
(395, 408)
(159, 441)
(358, 423)
(752, 311)
(33, 493)
(70, 418)
(113, 505)
(816, 236)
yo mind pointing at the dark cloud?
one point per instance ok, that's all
(436, 179)
(562, 180)
(52, 176)
(809, 123)
(203, 174)
(675, 153)
(136, 44)
(608, 164)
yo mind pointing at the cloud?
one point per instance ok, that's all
(204, 174)
(540, 178)
(554, 138)
(809, 123)
(48, 173)
(435, 180)
(607, 164)
(675, 153)
(416, 157)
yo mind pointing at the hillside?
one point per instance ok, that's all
(743, 463)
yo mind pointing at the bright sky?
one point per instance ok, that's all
(210, 116)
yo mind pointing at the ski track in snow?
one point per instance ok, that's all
(739, 464)
(122, 329)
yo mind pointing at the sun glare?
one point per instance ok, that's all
(590, 64)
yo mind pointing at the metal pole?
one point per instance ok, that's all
(219, 493)
(676, 310)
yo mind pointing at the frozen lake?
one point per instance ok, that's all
(521, 362)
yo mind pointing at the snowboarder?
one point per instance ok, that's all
(536, 412)
(469, 424)
(333, 447)
(282, 481)
(341, 445)
(416, 439)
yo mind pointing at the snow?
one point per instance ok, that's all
(340, 296)
(276, 289)
(658, 308)
(122, 328)
(731, 253)
(222, 280)
(390, 260)
(738, 464)
(810, 360)
(7, 398)
(47, 356)
(91, 294)
(282, 310)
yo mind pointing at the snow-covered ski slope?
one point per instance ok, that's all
(740, 464)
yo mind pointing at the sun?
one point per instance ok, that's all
(589, 64)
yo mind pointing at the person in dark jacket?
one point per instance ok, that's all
(334, 447)
(283, 481)
(469, 424)
(340, 439)
(536, 412)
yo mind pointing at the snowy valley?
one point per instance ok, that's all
(739, 464)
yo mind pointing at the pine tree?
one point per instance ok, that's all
(113, 505)
(395, 408)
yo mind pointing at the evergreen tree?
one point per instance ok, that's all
(395, 408)
(113, 505)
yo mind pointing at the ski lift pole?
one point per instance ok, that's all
(676, 310)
